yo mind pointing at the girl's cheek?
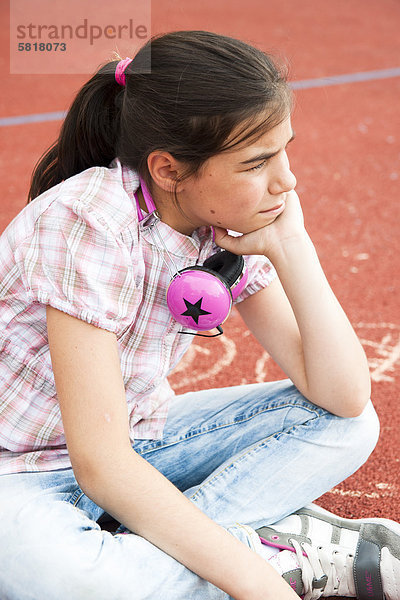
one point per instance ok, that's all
(256, 187)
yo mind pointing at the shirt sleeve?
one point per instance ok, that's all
(260, 273)
(74, 262)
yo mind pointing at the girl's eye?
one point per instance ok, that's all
(257, 166)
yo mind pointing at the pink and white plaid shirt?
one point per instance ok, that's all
(80, 248)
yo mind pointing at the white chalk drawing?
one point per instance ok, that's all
(225, 355)
(385, 490)
(383, 351)
(261, 370)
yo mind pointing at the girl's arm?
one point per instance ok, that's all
(91, 394)
(298, 319)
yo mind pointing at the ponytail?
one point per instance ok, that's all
(88, 136)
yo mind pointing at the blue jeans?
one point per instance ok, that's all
(247, 456)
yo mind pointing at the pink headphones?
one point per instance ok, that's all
(200, 297)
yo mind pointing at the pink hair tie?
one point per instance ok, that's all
(120, 70)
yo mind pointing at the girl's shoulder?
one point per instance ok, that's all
(102, 193)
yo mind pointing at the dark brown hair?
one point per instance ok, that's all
(201, 88)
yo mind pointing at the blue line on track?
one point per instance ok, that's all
(304, 84)
(38, 118)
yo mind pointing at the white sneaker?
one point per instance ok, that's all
(325, 555)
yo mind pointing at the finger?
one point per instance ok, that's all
(219, 234)
(226, 241)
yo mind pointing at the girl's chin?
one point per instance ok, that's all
(250, 227)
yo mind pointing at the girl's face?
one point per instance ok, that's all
(242, 189)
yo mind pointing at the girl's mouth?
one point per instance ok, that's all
(276, 210)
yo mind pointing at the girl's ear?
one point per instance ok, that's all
(164, 169)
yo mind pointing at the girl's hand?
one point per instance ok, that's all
(271, 237)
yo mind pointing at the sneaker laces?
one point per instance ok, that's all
(325, 573)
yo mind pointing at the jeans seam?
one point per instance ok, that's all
(237, 458)
(246, 451)
(229, 424)
(249, 536)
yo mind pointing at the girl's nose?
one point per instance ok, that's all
(282, 178)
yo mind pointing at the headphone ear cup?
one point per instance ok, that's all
(226, 264)
(199, 299)
(231, 267)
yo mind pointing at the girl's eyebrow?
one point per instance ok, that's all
(264, 155)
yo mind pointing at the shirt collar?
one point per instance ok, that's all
(200, 242)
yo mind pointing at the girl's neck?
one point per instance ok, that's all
(181, 224)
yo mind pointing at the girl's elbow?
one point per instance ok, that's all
(357, 397)
(354, 411)
(355, 404)
(90, 473)
(86, 475)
